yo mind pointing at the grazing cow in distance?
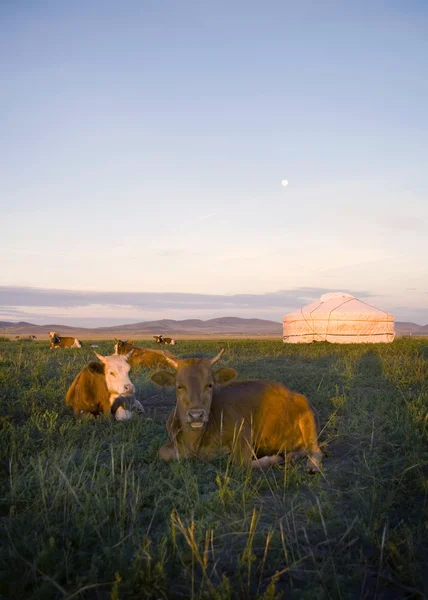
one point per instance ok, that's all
(256, 421)
(159, 339)
(144, 357)
(58, 341)
(104, 388)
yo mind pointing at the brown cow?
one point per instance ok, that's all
(145, 357)
(57, 341)
(255, 421)
(104, 388)
(159, 339)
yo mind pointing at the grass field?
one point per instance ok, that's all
(87, 510)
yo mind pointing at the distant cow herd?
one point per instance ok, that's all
(258, 423)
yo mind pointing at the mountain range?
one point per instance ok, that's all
(222, 325)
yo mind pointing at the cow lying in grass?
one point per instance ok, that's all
(159, 339)
(256, 421)
(104, 388)
(144, 357)
(58, 341)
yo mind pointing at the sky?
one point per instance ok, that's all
(143, 144)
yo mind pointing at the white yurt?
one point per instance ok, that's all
(339, 318)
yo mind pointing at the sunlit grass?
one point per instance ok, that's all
(88, 511)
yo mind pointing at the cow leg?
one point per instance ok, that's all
(297, 454)
(169, 452)
(84, 415)
(267, 461)
(138, 406)
(122, 414)
(309, 433)
(245, 457)
(243, 452)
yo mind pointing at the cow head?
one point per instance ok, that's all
(116, 372)
(194, 382)
(54, 338)
(121, 346)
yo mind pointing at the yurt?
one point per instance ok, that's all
(339, 318)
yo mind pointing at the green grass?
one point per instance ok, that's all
(87, 510)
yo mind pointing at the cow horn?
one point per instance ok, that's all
(216, 358)
(101, 358)
(170, 360)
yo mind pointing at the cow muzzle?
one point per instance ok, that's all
(196, 418)
(128, 389)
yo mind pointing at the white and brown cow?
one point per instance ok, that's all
(104, 388)
(160, 339)
(58, 341)
(257, 422)
(143, 357)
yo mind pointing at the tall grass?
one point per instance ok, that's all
(88, 510)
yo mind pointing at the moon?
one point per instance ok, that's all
(284, 182)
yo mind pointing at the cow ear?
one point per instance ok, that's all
(224, 375)
(95, 367)
(163, 378)
(130, 342)
(101, 358)
(115, 340)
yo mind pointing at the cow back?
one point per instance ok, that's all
(89, 392)
(266, 412)
(144, 357)
(64, 342)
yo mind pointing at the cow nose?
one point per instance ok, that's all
(196, 414)
(129, 388)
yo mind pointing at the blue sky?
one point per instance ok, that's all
(143, 144)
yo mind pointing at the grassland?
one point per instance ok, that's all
(87, 510)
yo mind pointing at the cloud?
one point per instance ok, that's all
(11, 297)
(89, 308)
(8, 311)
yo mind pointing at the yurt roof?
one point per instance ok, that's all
(339, 306)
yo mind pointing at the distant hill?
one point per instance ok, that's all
(408, 328)
(221, 325)
(197, 326)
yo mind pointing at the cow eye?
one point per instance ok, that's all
(180, 387)
(209, 386)
(112, 374)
